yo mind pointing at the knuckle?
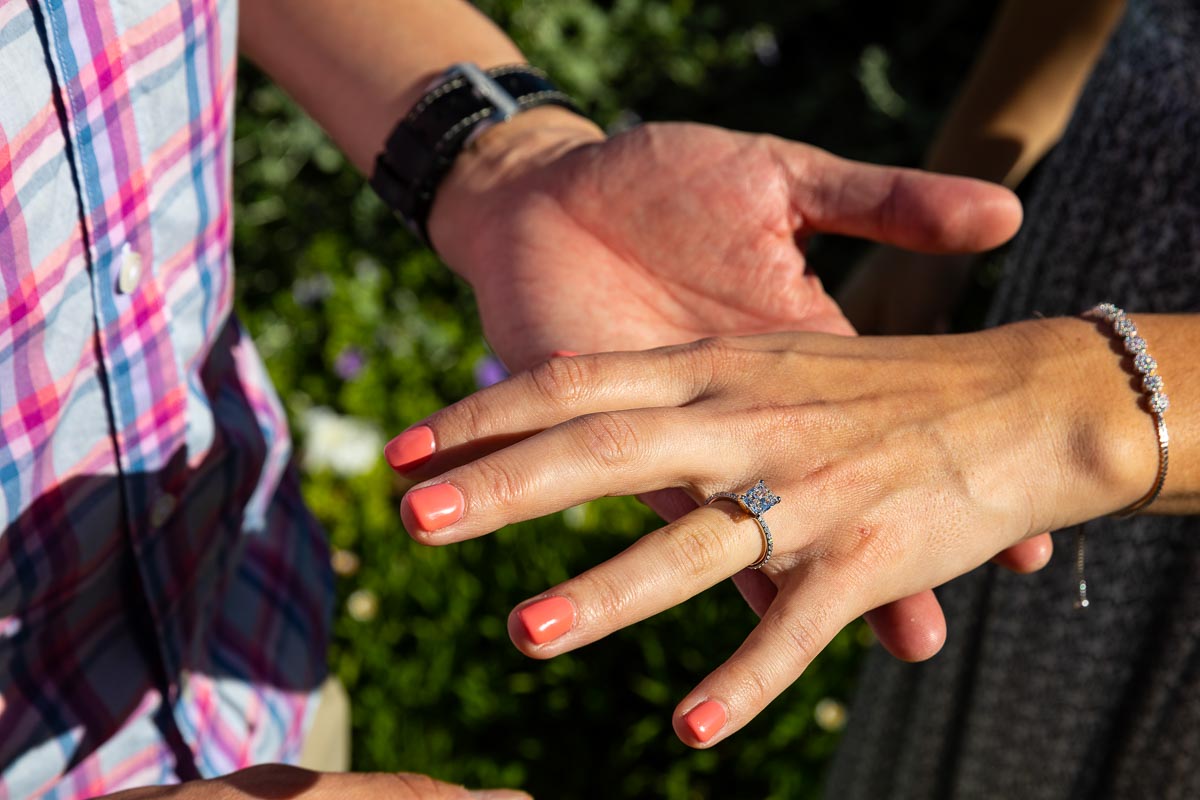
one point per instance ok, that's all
(697, 549)
(714, 352)
(610, 438)
(755, 684)
(471, 419)
(563, 382)
(500, 483)
(467, 420)
(608, 596)
(797, 637)
(722, 361)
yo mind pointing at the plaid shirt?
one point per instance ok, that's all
(163, 593)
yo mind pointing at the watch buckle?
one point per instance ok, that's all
(483, 85)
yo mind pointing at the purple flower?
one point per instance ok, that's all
(489, 370)
(349, 363)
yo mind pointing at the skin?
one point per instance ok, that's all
(703, 252)
(584, 243)
(280, 782)
(903, 462)
(1013, 107)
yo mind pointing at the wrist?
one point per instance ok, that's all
(1102, 442)
(477, 196)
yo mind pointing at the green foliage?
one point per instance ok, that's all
(351, 315)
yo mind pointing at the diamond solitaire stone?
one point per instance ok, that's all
(760, 499)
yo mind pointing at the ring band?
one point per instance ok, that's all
(756, 502)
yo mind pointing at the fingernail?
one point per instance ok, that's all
(563, 354)
(705, 720)
(410, 449)
(548, 619)
(498, 794)
(436, 506)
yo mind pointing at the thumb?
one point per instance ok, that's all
(907, 208)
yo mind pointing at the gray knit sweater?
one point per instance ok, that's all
(1032, 698)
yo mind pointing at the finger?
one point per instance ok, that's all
(798, 625)
(657, 572)
(757, 589)
(912, 628)
(279, 780)
(551, 392)
(907, 208)
(412, 786)
(1028, 556)
(595, 455)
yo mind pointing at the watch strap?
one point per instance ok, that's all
(423, 147)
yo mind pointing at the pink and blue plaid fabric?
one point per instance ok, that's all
(163, 592)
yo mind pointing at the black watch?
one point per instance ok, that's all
(423, 146)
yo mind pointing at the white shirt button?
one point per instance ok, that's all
(164, 507)
(131, 270)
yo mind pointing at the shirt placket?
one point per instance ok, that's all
(144, 388)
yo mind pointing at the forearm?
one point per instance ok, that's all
(358, 67)
(1022, 90)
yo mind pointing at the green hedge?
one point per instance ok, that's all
(364, 333)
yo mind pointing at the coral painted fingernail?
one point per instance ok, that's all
(410, 449)
(563, 354)
(705, 720)
(547, 619)
(436, 506)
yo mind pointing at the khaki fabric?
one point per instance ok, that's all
(327, 748)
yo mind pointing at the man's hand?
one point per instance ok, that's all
(669, 233)
(276, 781)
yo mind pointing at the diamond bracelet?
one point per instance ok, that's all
(1152, 384)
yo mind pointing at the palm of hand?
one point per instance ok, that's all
(659, 236)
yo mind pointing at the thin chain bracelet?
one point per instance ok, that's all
(1156, 401)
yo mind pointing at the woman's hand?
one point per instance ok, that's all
(595, 244)
(282, 781)
(901, 463)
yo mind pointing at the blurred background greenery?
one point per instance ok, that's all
(365, 333)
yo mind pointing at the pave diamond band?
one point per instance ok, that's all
(756, 502)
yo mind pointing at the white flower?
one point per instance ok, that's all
(830, 714)
(345, 445)
(362, 605)
(344, 562)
